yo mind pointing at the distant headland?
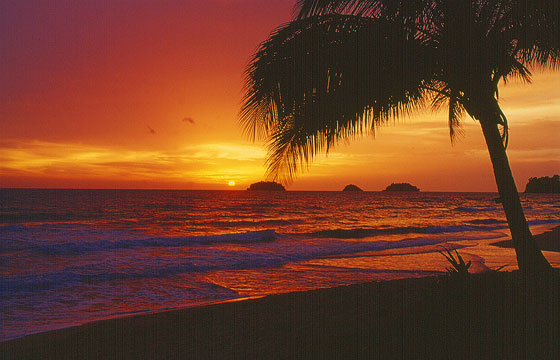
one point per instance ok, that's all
(401, 187)
(544, 185)
(266, 186)
(351, 187)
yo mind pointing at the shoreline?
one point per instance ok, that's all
(492, 315)
(267, 321)
(547, 241)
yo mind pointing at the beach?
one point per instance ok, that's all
(488, 316)
(491, 316)
(548, 241)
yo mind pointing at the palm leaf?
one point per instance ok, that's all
(454, 116)
(346, 66)
(535, 27)
(319, 80)
(403, 9)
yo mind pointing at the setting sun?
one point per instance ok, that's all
(231, 183)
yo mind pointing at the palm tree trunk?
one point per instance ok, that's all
(529, 257)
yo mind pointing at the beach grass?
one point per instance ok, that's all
(496, 315)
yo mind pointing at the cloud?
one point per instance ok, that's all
(189, 120)
(214, 163)
(227, 151)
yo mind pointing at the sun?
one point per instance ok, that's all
(231, 183)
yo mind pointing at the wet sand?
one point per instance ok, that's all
(548, 241)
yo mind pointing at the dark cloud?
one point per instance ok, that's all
(189, 120)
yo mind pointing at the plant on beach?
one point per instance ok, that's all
(344, 67)
(459, 267)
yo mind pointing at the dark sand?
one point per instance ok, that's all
(548, 241)
(488, 316)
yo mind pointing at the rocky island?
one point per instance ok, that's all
(544, 185)
(266, 186)
(351, 187)
(401, 187)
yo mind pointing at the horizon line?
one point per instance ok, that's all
(148, 189)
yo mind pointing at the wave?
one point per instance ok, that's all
(77, 276)
(68, 248)
(206, 259)
(473, 225)
(361, 233)
(476, 209)
(544, 221)
(273, 222)
(45, 217)
(487, 221)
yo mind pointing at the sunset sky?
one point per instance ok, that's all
(146, 94)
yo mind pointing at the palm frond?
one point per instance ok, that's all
(444, 95)
(309, 8)
(517, 70)
(505, 128)
(535, 26)
(403, 9)
(318, 80)
(455, 116)
(346, 66)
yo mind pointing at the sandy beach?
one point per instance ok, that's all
(489, 316)
(548, 241)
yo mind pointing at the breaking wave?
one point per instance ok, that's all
(477, 209)
(371, 232)
(129, 242)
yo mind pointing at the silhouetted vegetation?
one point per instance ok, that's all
(343, 68)
(351, 187)
(458, 266)
(401, 187)
(267, 186)
(545, 185)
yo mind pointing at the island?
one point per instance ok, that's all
(401, 187)
(266, 186)
(543, 185)
(351, 187)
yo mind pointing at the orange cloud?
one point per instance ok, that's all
(210, 164)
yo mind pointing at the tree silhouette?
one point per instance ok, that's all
(341, 68)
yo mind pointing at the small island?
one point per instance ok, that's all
(401, 187)
(544, 185)
(266, 186)
(351, 187)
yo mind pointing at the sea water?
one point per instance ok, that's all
(72, 256)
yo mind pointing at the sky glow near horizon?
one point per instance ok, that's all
(146, 94)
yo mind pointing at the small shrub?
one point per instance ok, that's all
(459, 267)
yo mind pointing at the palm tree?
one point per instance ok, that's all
(342, 68)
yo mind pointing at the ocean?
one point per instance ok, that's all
(73, 256)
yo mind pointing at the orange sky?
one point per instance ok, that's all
(145, 94)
